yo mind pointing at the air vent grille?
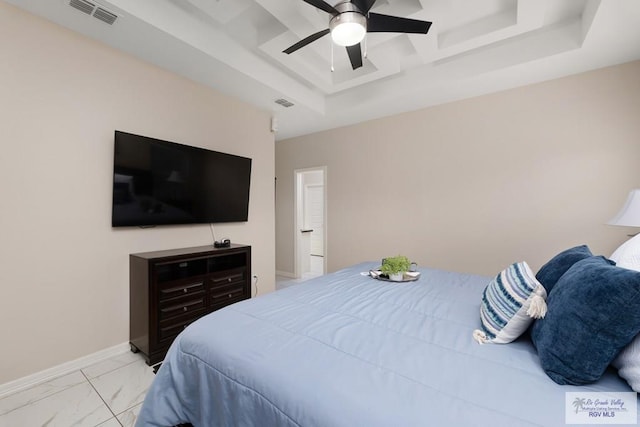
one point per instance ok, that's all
(284, 102)
(92, 9)
(83, 6)
(105, 16)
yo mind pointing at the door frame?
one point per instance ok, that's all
(298, 219)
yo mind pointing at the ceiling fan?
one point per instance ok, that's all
(351, 20)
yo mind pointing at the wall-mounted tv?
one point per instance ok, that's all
(159, 182)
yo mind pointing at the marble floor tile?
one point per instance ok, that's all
(111, 364)
(316, 270)
(284, 282)
(113, 422)
(124, 387)
(78, 405)
(40, 391)
(128, 418)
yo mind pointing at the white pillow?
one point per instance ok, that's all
(628, 254)
(628, 363)
(510, 303)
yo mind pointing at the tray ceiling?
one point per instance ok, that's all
(473, 48)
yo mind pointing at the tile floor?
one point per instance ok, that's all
(284, 282)
(107, 394)
(316, 267)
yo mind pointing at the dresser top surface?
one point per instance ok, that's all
(197, 250)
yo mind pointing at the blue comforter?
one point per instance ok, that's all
(348, 350)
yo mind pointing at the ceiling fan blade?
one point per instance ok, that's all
(355, 55)
(320, 4)
(306, 41)
(364, 5)
(393, 24)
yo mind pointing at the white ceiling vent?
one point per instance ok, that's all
(94, 10)
(284, 102)
(105, 16)
(82, 6)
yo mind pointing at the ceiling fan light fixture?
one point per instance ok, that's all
(350, 22)
(348, 28)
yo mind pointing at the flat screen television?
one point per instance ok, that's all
(159, 182)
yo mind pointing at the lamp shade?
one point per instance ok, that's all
(629, 215)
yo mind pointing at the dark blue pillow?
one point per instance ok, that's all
(549, 274)
(592, 313)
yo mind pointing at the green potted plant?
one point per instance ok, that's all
(395, 267)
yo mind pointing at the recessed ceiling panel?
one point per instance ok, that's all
(468, 44)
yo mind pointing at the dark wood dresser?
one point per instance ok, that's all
(170, 289)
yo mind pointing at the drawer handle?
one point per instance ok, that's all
(230, 295)
(185, 290)
(229, 279)
(184, 326)
(184, 308)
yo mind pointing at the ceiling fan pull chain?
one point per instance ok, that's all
(365, 46)
(332, 70)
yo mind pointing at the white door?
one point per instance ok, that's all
(314, 217)
(310, 205)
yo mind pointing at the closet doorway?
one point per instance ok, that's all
(310, 223)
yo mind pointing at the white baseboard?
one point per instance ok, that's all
(63, 369)
(285, 274)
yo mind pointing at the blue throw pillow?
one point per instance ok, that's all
(510, 303)
(549, 274)
(593, 312)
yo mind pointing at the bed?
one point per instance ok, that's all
(347, 350)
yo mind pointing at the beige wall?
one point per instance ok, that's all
(477, 184)
(63, 269)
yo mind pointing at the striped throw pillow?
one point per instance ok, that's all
(509, 304)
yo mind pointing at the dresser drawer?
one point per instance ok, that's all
(182, 305)
(228, 277)
(173, 290)
(168, 330)
(226, 294)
